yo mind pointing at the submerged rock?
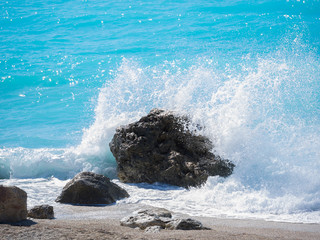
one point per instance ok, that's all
(13, 204)
(91, 188)
(160, 147)
(152, 220)
(41, 212)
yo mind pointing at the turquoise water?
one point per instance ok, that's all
(73, 71)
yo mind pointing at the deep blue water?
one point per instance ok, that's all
(72, 71)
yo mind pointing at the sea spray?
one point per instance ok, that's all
(265, 119)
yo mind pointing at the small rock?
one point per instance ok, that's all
(91, 188)
(13, 204)
(185, 224)
(147, 218)
(41, 212)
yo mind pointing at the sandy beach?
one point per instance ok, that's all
(81, 224)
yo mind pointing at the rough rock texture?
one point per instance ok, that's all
(152, 229)
(13, 204)
(185, 224)
(152, 220)
(41, 212)
(91, 188)
(147, 218)
(160, 147)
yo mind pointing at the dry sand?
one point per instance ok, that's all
(108, 227)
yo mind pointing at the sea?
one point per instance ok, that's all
(71, 72)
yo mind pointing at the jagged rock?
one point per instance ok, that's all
(41, 212)
(163, 143)
(13, 204)
(185, 224)
(146, 218)
(152, 220)
(91, 188)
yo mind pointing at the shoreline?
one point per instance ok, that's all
(52, 187)
(108, 227)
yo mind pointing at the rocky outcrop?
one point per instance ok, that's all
(161, 147)
(41, 212)
(13, 204)
(90, 188)
(152, 220)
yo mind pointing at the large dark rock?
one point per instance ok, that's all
(160, 147)
(13, 204)
(91, 188)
